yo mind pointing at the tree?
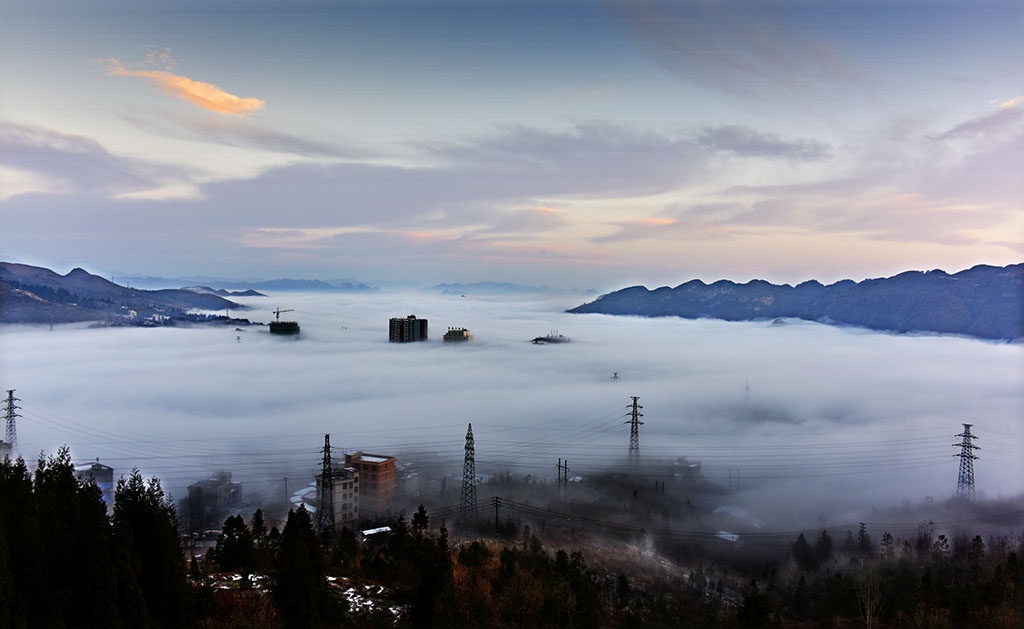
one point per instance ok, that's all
(755, 610)
(888, 546)
(803, 554)
(940, 549)
(235, 550)
(849, 546)
(299, 583)
(923, 543)
(823, 548)
(72, 521)
(152, 565)
(622, 591)
(420, 521)
(976, 552)
(863, 540)
(869, 596)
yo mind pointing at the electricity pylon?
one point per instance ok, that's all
(965, 482)
(634, 432)
(325, 506)
(467, 505)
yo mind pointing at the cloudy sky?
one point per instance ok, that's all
(578, 144)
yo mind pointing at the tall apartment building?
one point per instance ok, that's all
(346, 496)
(376, 480)
(407, 330)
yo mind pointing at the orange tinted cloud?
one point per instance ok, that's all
(205, 95)
(1013, 102)
(544, 208)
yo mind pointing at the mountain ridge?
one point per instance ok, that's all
(31, 294)
(984, 302)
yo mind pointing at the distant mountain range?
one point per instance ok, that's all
(499, 288)
(985, 302)
(490, 288)
(31, 294)
(217, 285)
(223, 293)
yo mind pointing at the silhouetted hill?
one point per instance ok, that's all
(31, 294)
(984, 301)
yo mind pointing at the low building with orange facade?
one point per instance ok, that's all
(376, 480)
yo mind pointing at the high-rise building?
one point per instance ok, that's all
(346, 495)
(407, 330)
(376, 480)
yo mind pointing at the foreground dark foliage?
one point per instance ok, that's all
(65, 563)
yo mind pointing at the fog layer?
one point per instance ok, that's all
(810, 418)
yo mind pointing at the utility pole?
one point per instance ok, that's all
(467, 506)
(965, 482)
(325, 506)
(634, 431)
(563, 476)
(10, 413)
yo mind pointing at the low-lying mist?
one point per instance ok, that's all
(805, 422)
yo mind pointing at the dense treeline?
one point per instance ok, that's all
(64, 563)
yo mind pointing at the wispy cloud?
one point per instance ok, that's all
(160, 57)
(746, 142)
(239, 133)
(61, 163)
(205, 95)
(998, 122)
(1013, 102)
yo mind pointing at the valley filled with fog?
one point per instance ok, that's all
(810, 419)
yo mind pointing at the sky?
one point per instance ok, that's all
(836, 421)
(575, 144)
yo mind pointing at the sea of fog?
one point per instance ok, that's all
(832, 419)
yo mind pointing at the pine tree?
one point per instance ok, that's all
(234, 551)
(823, 548)
(299, 581)
(803, 554)
(152, 565)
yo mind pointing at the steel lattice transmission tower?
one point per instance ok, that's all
(634, 431)
(965, 482)
(325, 505)
(467, 505)
(10, 413)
